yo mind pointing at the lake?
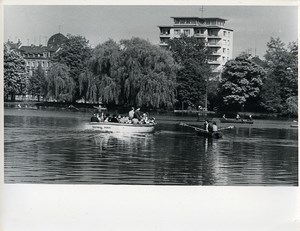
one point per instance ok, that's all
(51, 146)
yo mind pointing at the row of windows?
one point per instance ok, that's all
(45, 55)
(194, 21)
(196, 31)
(36, 63)
(215, 58)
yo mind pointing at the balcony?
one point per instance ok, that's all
(210, 44)
(216, 62)
(214, 36)
(164, 35)
(163, 44)
(200, 35)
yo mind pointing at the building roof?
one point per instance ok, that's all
(56, 40)
(36, 49)
(223, 19)
(196, 26)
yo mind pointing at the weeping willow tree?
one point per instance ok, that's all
(106, 72)
(150, 74)
(133, 72)
(60, 85)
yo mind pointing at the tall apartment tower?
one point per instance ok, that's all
(212, 30)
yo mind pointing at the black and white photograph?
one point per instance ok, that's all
(184, 96)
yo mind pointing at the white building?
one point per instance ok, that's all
(212, 30)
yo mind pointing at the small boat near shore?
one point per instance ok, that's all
(239, 121)
(119, 127)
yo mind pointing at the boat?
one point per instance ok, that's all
(294, 125)
(239, 121)
(216, 135)
(119, 127)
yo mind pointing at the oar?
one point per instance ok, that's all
(230, 127)
(196, 128)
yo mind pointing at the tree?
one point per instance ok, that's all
(192, 77)
(133, 72)
(61, 86)
(282, 73)
(15, 75)
(150, 74)
(38, 84)
(242, 80)
(74, 53)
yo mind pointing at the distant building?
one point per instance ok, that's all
(212, 30)
(35, 55)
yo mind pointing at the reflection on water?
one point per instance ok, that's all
(43, 147)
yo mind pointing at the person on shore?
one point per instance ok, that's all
(238, 117)
(131, 113)
(214, 127)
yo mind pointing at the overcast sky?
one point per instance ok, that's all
(253, 25)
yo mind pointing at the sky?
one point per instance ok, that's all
(253, 25)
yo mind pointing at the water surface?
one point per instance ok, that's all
(43, 146)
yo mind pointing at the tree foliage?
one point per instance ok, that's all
(61, 86)
(282, 69)
(74, 53)
(38, 83)
(15, 74)
(192, 77)
(133, 72)
(242, 80)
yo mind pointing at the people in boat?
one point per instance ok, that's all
(214, 127)
(107, 118)
(137, 114)
(114, 119)
(210, 127)
(131, 113)
(224, 117)
(95, 118)
(135, 121)
(238, 117)
(205, 126)
(145, 119)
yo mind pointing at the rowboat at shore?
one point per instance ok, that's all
(239, 121)
(119, 127)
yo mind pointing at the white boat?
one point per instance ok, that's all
(119, 127)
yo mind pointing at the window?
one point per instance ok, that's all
(228, 42)
(224, 42)
(224, 33)
(186, 32)
(213, 58)
(228, 51)
(223, 58)
(228, 34)
(202, 31)
(177, 32)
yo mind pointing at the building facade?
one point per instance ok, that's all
(39, 55)
(212, 31)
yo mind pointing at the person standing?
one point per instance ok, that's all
(137, 114)
(205, 126)
(131, 113)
